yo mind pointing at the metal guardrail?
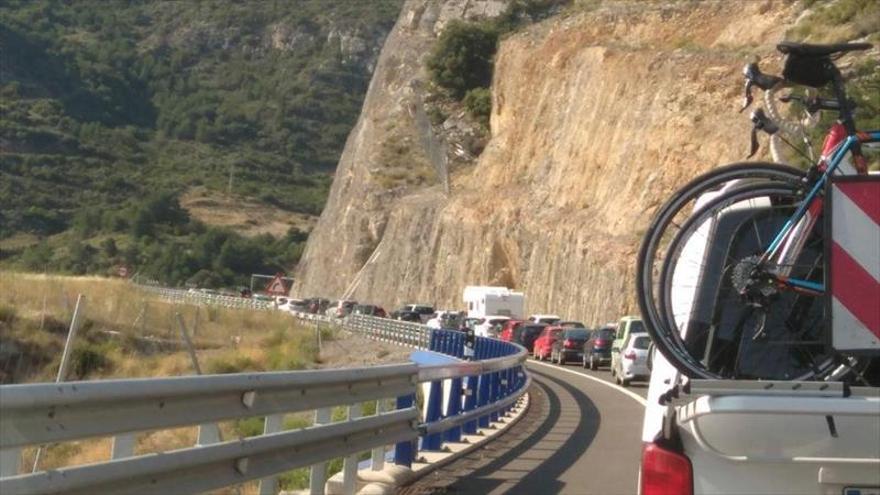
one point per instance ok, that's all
(184, 296)
(476, 393)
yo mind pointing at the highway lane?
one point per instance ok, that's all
(579, 436)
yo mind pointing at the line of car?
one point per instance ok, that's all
(623, 346)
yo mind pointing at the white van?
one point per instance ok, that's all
(493, 301)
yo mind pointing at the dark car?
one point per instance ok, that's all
(597, 349)
(526, 334)
(318, 305)
(403, 315)
(424, 311)
(369, 310)
(569, 345)
(570, 324)
(451, 321)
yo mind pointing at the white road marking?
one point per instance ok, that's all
(638, 398)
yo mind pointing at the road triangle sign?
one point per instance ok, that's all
(276, 287)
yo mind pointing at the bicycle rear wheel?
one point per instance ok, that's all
(722, 315)
(682, 205)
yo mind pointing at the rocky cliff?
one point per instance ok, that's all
(598, 114)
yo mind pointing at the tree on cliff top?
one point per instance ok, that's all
(462, 58)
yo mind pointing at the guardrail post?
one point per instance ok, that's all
(377, 458)
(318, 472)
(10, 462)
(404, 452)
(470, 403)
(482, 352)
(495, 381)
(434, 412)
(123, 446)
(453, 408)
(273, 423)
(350, 462)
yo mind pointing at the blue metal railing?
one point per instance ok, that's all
(462, 395)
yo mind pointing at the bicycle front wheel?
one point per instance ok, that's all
(669, 219)
(723, 314)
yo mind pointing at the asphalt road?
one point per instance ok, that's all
(581, 435)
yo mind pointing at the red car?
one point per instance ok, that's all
(507, 331)
(544, 343)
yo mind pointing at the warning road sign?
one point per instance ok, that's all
(276, 287)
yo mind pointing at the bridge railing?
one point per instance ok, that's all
(458, 397)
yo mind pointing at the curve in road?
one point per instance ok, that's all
(579, 436)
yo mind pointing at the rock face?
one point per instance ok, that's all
(597, 116)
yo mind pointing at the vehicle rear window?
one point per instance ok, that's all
(532, 329)
(604, 334)
(641, 342)
(580, 333)
(636, 327)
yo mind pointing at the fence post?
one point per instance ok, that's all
(318, 472)
(404, 451)
(75, 323)
(209, 432)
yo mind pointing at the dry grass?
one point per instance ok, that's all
(139, 333)
(244, 216)
(34, 315)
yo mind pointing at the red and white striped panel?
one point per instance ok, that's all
(854, 263)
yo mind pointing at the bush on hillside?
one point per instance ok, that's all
(462, 58)
(478, 102)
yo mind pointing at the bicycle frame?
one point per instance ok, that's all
(791, 238)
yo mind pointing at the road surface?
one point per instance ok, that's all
(579, 436)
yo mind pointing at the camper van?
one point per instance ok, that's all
(493, 301)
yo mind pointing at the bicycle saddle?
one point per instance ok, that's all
(809, 50)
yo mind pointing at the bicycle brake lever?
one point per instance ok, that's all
(755, 145)
(747, 99)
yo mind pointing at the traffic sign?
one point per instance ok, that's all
(276, 287)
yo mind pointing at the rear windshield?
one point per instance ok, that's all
(636, 327)
(641, 342)
(580, 333)
(604, 335)
(532, 329)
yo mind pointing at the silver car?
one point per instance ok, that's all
(633, 362)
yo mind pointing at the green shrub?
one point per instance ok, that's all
(7, 314)
(231, 364)
(462, 57)
(87, 359)
(478, 102)
(249, 427)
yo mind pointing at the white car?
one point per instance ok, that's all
(633, 362)
(436, 320)
(489, 326)
(752, 436)
(548, 319)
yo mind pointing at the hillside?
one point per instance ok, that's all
(106, 103)
(598, 114)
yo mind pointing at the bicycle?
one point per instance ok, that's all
(759, 313)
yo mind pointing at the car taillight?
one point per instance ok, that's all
(665, 472)
(568, 343)
(600, 343)
(630, 355)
